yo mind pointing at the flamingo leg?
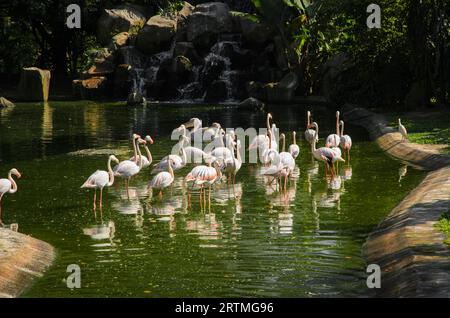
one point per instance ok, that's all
(101, 198)
(127, 181)
(95, 198)
(348, 155)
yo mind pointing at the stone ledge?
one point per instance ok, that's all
(22, 259)
(411, 252)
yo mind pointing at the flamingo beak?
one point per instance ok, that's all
(189, 124)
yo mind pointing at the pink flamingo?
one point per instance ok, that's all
(163, 179)
(100, 179)
(346, 141)
(333, 140)
(8, 186)
(146, 160)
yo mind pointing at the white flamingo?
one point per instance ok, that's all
(334, 140)
(100, 179)
(346, 141)
(325, 154)
(163, 179)
(178, 162)
(129, 168)
(294, 149)
(196, 125)
(8, 186)
(210, 132)
(276, 169)
(193, 154)
(286, 158)
(309, 133)
(234, 164)
(146, 160)
(402, 130)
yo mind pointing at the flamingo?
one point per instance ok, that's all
(276, 170)
(234, 164)
(294, 149)
(193, 154)
(163, 179)
(100, 179)
(225, 153)
(261, 141)
(402, 130)
(325, 154)
(178, 162)
(8, 186)
(128, 168)
(309, 133)
(146, 160)
(346, 141)
(334, 140)
(205, 174)
(286, 158)
(210, 132)
(196, 125)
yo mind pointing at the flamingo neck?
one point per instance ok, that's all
(169, 167)
(283, 148)
(268, 122)
(183, 156)
(308, 120)
(149, 154)
(135, 150)
(316, 134)
(337, 124)
(294, 139)
(111, 173)
(238, 155)
(342, 129)
(13, 184)
(139, 158)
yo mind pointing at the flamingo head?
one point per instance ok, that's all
(141, 141)
(216, 125)
(340, 159)
(114, 158)
(399, 121)
(136, 136)
(149, 139)
(193, 122)
(338, 113)
(15, 172)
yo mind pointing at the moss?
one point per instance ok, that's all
(444, 226)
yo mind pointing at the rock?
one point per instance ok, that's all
(34, 84)
(330, 72)
(256, 90)
(217, 91)
(282, 91)
(280, 53)
(120, 40)
(212, 69)
(124, 18)
(253, 31)
(187, 49)
(91, 88)
(252, 104)
(208, 20)
(181, 65)
(186, 11)
(122, 83)
(5, 103)
(136, 99)
(156, 35)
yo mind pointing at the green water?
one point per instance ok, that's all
(250, 242)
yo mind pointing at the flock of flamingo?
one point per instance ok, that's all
(223, 160)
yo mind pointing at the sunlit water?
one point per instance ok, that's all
(251, 241)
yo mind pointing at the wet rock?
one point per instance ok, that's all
(124, 18)
(212, 69)
(187, 49)
(34, 84)
(156, 35)
(256, 90)
(330, 73)
(120, 40)
(91, 88)
(282, 91)
(122, 81)
(217, 91)
(136, 99)
(208, 20)
(254, 32)
(251, 103)
(181, 67)
(5, 103)
(182, 19)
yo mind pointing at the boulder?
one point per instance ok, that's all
(124, 18)
(283, 91)
(136, 99)
(34, 84)
(186, 11)
(181, 65)
(330, 73)
(120, 40)
(251, 104)
(91, 88)
(156, 35)
(256, 90)
(216, 92)
(187, 49)
(5, 103)
(182, 18)
(208, 20)
(122, 81)
(253, 31)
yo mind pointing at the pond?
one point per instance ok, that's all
(251, 241)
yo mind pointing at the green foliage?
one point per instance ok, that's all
(444, 225)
